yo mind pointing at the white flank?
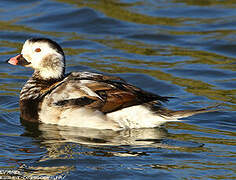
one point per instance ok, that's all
(128, 118)
(138, 117)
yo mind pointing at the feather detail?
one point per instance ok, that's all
(170, 114)
(105, 93)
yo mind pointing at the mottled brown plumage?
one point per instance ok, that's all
(112, 93)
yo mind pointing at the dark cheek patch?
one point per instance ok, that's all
(47, 61)
(50, 62)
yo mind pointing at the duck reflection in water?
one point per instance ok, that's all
(64, 144)
(51, 134)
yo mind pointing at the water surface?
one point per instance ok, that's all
(175, 48)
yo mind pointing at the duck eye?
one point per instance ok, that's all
(37, 50)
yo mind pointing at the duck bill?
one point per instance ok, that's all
(18, 60)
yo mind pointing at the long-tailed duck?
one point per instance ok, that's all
(84, 99)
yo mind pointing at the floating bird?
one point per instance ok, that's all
(85, 99)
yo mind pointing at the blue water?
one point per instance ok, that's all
(176, 48)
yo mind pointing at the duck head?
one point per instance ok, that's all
(45, 56)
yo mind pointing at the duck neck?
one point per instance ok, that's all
(32, 94)
(36, 85)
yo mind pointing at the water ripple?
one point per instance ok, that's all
(180, 48)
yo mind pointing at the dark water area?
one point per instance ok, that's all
(180, 48)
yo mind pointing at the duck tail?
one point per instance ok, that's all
(170, 114)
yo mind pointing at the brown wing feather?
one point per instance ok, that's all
(109, 93)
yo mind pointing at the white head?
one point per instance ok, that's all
(45, 56)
